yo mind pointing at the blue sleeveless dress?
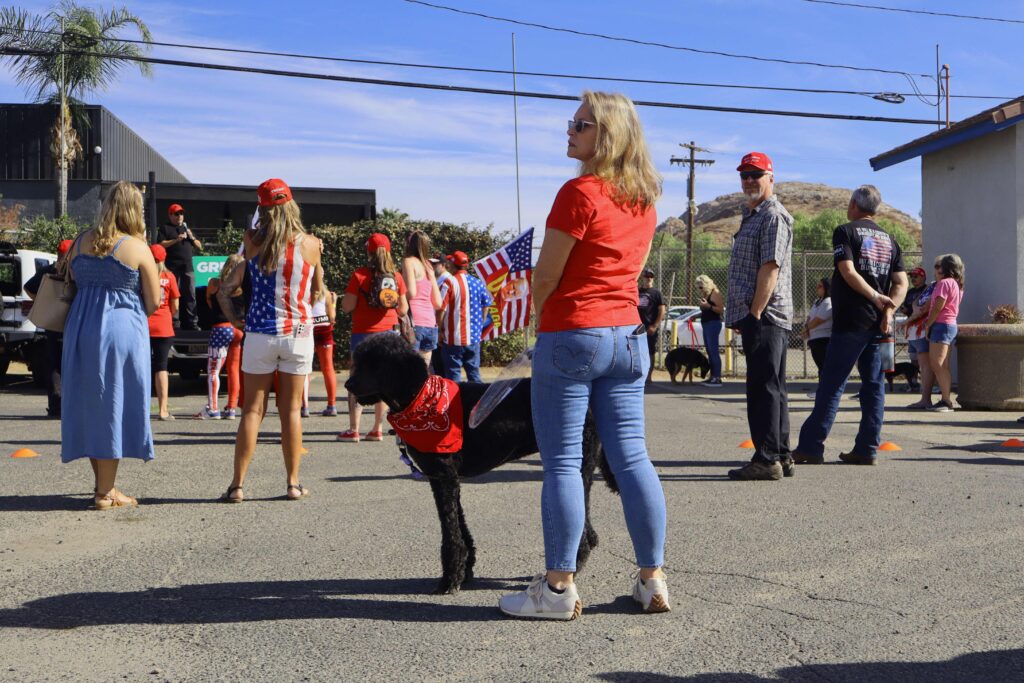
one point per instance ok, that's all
(106, 370)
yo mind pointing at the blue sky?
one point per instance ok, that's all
(450, 156)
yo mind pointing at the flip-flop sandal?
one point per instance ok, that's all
(296, 491)
(230, 497)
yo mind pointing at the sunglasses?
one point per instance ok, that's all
(756, 175)
(579, 124)
(178, 213)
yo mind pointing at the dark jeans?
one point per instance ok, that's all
(187, 316)
(54, 347)
(844, 350)
(818, 347)
(764, 346)
(458, 357)
(711, 329)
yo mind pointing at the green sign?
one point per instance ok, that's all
(207, 267)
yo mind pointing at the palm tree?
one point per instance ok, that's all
(64, 55)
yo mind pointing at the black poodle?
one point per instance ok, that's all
(386, 368)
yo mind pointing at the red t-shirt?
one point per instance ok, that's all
(365, 318)
(598, 286)
(161, 323)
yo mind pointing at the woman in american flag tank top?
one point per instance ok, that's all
(283, 263)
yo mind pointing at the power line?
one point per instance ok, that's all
(458, 88)
(667, 46)
(539, 74)
(916, 11)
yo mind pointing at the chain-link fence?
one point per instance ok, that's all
(675, 275)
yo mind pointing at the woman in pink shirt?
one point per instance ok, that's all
(941, 325)
(424, 296)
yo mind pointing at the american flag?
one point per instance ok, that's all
(507, 274)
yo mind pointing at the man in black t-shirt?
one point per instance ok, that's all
(868, 285)
(179, 242)
(652, 311)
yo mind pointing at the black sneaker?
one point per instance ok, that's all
(804, 459)
(942, 407)
(757, 470)
(854, 459)
(788, 466)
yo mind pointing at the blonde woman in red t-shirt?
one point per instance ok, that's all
(592, 353)
(161, 330)
(369, 319)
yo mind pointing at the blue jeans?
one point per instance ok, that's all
(426, 338)
(844, 350)
(711, 329)
(604, 369)
(458, 357)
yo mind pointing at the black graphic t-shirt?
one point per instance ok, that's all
(650, 301)
(875, 256)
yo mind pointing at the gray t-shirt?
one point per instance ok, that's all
(821, 309)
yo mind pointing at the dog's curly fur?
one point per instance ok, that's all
(386, 368)
(909, 372)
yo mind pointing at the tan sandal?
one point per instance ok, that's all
(297, 491)
(113, 499)
(233, 495)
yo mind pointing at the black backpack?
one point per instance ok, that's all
(383, 291)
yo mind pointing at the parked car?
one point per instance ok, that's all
(676, 313)
(689, 331)
(18, 338)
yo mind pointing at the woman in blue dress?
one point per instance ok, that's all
(105, 412)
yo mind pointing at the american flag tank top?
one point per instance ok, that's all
(280, 300)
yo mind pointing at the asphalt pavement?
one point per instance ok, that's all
(912, 570)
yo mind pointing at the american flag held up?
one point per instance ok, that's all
(507, 274)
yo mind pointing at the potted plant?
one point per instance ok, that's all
(990, 362)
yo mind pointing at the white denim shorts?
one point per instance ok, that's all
(263, 354)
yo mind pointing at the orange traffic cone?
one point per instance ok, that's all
(889, 446)
(1013, 443)
(747, 444)
(24, 453)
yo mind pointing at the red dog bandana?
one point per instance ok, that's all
(432, 423)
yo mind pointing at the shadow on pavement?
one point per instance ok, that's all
(995, 665)
(966, 461)
(51, 503)
(252, 601)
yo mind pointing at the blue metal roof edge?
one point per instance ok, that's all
(934, 145)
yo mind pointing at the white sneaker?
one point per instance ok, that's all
(538, 601)
(652, 595)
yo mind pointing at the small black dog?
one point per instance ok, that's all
(685, 358)
(386, 368)
(909, 372)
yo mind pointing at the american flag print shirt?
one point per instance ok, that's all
(280, 300)
(766, 234)
(464, 299)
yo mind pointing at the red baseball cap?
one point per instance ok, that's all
(175, 208)
(756, 160)
(273, 192)
(63, 247)
(159, 253)
(918, 271)
(377, 241)
(458, 258)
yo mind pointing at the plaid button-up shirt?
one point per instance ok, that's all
(766, 234)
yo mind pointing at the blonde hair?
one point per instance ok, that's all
(278, 226)
(621, 157)
(381, 261)
(121, 212)
(952, 266)
(705, 283)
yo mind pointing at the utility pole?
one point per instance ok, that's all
(691, 213)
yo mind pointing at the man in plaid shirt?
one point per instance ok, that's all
(460, 321)
(760, 306)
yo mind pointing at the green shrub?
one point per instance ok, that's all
(44, 234)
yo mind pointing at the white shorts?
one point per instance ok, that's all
(263, 354)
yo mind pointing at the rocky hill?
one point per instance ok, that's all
(721, 216)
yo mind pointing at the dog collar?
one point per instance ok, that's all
(432, 423)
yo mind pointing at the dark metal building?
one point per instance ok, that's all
(111, 151)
